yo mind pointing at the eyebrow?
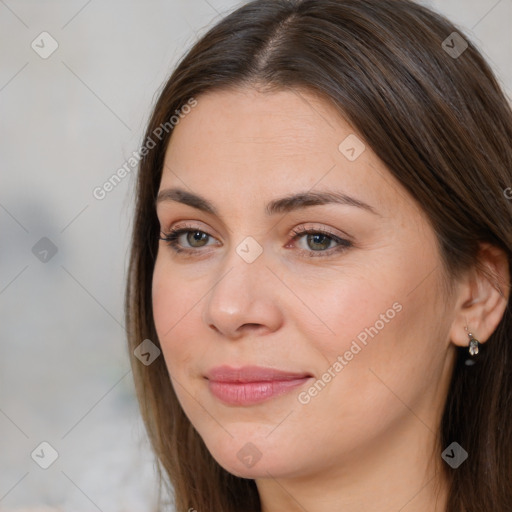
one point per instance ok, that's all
(282, 205)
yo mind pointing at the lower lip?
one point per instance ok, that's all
(249, 393)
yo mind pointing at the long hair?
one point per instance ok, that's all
(431, 109)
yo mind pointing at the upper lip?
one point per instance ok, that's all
(252, 374)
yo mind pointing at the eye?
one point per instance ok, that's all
(319, 240)
(195, 237)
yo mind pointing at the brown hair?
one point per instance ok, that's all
(442, 126)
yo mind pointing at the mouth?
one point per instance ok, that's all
(251, 385)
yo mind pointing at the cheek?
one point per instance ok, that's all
(164, 302)
(343, 309)
(173, 297)
(383, 355)
(382, 332)
(173, 311)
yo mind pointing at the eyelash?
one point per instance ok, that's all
(171, 238)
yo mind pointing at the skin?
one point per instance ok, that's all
(368, 440)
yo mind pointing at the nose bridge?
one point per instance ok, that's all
(241, 291)
(244, 269)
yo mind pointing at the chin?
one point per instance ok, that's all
(253, 459)
(262, 469)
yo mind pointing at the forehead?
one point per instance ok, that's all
(271, 144)
(239, 120)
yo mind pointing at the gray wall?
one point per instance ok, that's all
(68, 122)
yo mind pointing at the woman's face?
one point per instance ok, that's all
(352, 312)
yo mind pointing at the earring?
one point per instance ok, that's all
(473, 345)
(473, 348)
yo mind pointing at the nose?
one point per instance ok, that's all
(243, 299)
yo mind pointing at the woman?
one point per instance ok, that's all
(321, 252)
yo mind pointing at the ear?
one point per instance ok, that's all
(483, 297)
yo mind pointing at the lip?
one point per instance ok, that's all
(250, 385)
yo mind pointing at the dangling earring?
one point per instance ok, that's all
(473, 345)
(473, 348)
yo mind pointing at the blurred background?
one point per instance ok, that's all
(77, 82)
